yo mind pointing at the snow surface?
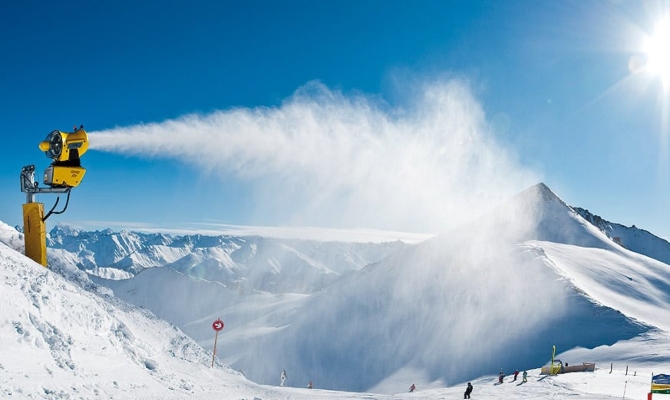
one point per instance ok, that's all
(455, 308)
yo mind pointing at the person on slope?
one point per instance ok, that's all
(309, 385)
(525, 376)
(412, 388)
(501, 376)
(516, 373)
(283, 378)
(468, 390)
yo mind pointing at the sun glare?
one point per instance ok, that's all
(657, 51)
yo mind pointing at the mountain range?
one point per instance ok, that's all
(250, 263)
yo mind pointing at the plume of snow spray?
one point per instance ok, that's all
(326, 158)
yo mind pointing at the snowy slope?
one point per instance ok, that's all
(193, 303)
(59, 341)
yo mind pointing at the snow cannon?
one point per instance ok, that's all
(64, 173)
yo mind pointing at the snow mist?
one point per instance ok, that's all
(324, 158)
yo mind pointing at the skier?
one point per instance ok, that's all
(283, 378)
(516, 373)
(501, 376)
(468, 390)
(525, 374)
(412, 388)
(309, 385)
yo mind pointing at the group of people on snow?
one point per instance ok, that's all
(466, 395)
(501, 376)
(282, 379)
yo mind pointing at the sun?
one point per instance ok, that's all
(657, 52)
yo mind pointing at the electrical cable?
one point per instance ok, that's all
(67, 201)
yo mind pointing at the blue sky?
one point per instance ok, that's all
(394, 115)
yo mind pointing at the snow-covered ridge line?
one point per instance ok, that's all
(245, 262)
(632, 238)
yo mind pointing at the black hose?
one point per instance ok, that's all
(67, 201)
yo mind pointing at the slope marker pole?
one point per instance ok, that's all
(217, 326)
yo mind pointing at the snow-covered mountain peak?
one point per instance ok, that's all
(537, 213)
(541, 191)
(63, 230)
(538, 201)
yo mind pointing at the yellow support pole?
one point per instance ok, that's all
(35, 232)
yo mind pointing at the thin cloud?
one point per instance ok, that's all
(324, 158)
